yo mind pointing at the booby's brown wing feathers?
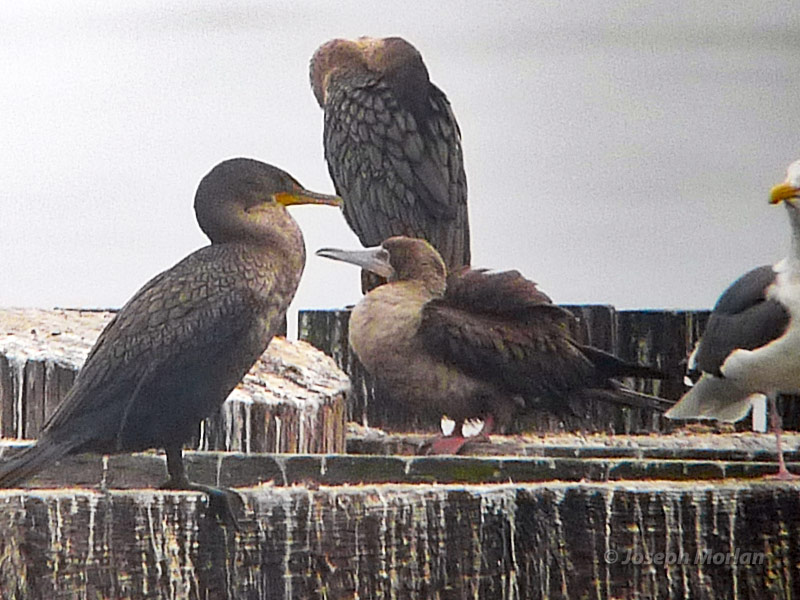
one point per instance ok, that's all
(611, 367)
(500, 327)
(498, 292)
(532, 359)
(397, 176)
(186, 322)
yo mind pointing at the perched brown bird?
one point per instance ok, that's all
(175, 351)
(474, 344)
(751, 345)
(392, 145)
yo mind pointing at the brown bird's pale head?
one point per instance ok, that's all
(398, 258)
(391, 58)
(414, 258)
(331, 56)
(395, 59)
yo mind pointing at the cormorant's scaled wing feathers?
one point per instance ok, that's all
(499, 327)
(353, 151)
(181, 320)
(742, 318)
(394, 172)
(439, 173)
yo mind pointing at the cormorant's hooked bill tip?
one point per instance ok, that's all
(304, 196)
(375, 260)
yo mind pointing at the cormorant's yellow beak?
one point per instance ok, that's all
(301, 195)
(782, 192)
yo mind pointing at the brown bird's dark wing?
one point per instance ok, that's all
(499, 293)
(609, 366)
(499, 327)
(170, 353)
(399, 174)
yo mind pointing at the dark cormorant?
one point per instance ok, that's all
(174, 352)
(474, 344)
(751, 345)
(392, 145)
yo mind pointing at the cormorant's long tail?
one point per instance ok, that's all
(30, 461)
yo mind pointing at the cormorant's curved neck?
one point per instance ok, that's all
(263, 226)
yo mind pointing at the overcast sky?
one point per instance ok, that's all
(616, 153)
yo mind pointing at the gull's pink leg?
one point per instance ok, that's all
(775, 421)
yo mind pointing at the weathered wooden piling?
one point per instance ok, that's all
(293, 399)
(633, 540)
(553, 517)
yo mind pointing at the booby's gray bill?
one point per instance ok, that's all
(375, 260)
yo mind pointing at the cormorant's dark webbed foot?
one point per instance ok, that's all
(223, 503)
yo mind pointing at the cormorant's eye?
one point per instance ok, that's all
(254, 194)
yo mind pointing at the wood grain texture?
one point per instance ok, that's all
(552, 540)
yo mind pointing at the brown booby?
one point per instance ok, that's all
(392, 145)
(179, 346)
(474, 344)
(751, 345)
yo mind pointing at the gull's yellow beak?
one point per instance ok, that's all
(782, 192)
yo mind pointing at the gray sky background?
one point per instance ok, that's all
(616, 152)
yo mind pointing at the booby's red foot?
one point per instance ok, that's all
(486, 430)
(447, 444)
